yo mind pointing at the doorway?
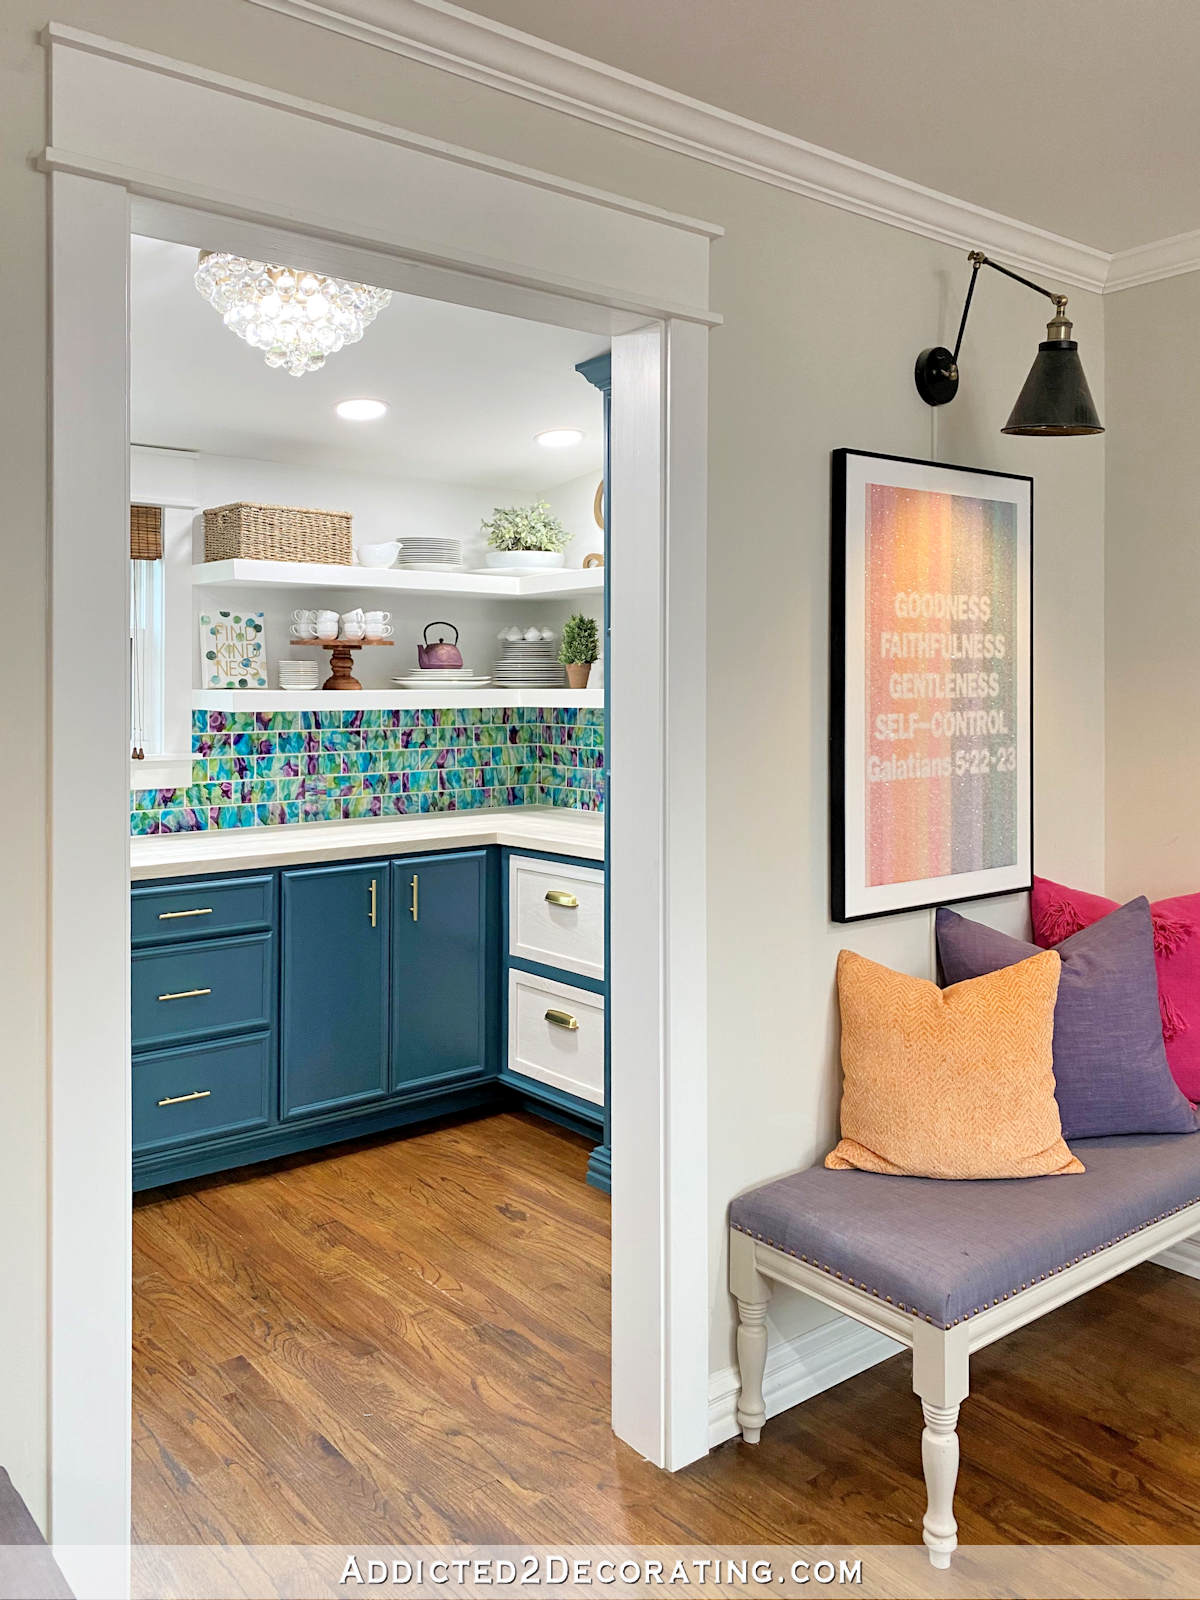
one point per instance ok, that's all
(657, 855)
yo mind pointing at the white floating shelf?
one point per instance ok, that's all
(561, 581)
(388, 699)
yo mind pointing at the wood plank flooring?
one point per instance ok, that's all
(408, 1342)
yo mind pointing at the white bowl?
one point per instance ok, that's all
(378, 555)
(525, 560)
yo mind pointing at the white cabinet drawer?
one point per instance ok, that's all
(556, 915)
(543, 1044)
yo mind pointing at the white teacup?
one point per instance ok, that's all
(303, 630)
(377, 616)
(327, 628)
(303, 616)
(352, 630)
(357, 615)
(377, 630)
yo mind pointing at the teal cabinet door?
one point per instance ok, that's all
(441, 969)
(334, 987)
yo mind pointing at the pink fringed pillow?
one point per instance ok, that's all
(1059, 912)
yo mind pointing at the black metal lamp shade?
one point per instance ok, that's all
(1055, 400)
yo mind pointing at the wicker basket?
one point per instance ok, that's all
(277, 533)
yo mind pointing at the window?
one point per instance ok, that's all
(163, 491)
(147, 656)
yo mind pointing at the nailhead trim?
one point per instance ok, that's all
(987, 1304)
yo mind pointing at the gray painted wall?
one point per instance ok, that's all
(1153, 579)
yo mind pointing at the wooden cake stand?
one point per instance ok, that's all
(341, 659)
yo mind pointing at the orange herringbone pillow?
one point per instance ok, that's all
(950, 1083)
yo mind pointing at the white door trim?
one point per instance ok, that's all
(90, 1188)
(658, 542)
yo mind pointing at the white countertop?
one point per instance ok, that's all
(171, 855)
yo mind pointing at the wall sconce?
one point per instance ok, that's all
(1055, 400)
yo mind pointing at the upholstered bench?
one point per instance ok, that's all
(949, 1267)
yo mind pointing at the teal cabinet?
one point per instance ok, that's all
(287, 1009)
(440, 969)
(202, 908)
(201, 1091)
(202, 989)
(334, 988)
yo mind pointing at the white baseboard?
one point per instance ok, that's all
(1182, 1257)
(797, 1369)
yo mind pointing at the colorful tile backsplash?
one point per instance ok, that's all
(265, 768)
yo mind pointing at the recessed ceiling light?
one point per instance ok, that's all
(361, 410)
(557, 438)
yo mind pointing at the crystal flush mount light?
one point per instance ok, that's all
(296, 318)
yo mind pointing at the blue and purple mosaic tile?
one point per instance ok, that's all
(262, 769)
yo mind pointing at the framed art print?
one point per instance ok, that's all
(931, 735)
(233, 654)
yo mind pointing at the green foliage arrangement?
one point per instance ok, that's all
(580, 640)
(532, 527)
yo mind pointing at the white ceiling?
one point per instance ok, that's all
(1078, 116)
(467, 389)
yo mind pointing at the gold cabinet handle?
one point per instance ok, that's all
(200, 911)
(178, 1099)
(563, 1019)
(560, 897)
(373, 899)
(184, 994)
(414, 903)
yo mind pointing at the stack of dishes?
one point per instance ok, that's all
(299, 674)
(529, 662)
(427, 554)
(440, 678)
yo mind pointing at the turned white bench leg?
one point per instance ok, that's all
(939, 1458)
(940, 1368)
(753, 1293)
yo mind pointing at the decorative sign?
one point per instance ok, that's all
(931, 738)
(232, 650)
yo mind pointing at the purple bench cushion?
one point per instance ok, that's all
(945, 1249)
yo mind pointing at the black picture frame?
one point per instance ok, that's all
(851, 900)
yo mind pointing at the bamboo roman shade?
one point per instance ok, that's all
(145, 533)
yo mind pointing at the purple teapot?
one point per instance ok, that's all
(432, 656)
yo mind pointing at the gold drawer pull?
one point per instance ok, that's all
(563, 1019)
(560, 897)
(373, 902)
(178, 1099)
(200, 911)
(184, 994)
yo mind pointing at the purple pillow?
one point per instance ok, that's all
(1110, 1067)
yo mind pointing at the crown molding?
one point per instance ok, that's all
(439, 34)
(1148, 263)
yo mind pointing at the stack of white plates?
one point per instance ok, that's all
(440, 678)
(526, 664)
(299, 674)
(427, 554)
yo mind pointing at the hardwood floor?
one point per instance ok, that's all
(408, 1342)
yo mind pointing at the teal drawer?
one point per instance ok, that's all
(201, 1091)
(202, 989)
(202, 908)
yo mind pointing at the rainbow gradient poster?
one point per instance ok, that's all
(931, 672)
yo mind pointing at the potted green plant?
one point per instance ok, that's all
(525, 538)
(579, 648)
